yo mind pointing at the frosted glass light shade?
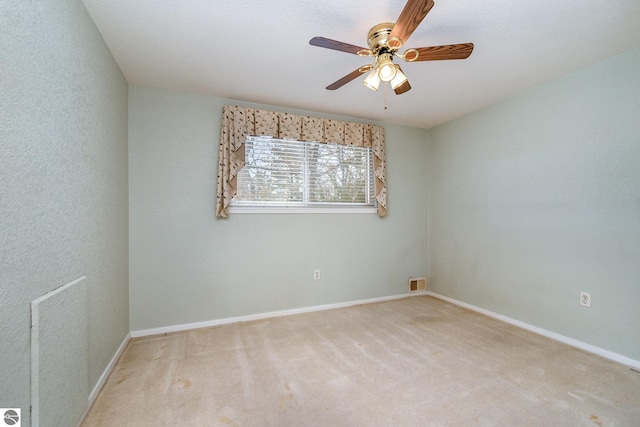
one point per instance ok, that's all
(387, 72)
(373, 80)
(399, 78)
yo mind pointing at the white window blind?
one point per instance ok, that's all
(292, 173)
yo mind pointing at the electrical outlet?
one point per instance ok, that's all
(316, 274)
(585, 299)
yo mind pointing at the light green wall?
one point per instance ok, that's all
(538, 198)
(187, 266)
(63, 175)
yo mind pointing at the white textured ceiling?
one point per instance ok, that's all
(258, 50)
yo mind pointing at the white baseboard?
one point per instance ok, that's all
(105, 375)
(555, 336)
(226, 321)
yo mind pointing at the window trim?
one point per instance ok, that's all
(303, 210)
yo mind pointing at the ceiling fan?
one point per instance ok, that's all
(384, 41)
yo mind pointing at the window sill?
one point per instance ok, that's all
(301, 210)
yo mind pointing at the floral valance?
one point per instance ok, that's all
(240, 122)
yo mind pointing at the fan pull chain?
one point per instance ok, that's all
(385, 95)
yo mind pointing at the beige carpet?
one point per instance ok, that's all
(412, 362)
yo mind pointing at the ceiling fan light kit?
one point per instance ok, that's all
(384, 41)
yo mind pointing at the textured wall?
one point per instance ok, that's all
(538, 198)
(187, 266)
(63, 175)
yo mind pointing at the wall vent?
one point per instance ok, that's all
(418, 284)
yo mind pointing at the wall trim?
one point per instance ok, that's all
(105, 375)
(271, 314)
(553, 335)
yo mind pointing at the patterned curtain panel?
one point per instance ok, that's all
(240, 122)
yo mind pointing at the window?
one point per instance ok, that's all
(288, 173)
(239, 122)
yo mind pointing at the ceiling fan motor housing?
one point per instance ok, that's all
(378, 37)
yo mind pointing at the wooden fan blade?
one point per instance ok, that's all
(410, 17)
(335, 45)
(404, 87)
(346, 79)
(449, 51)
